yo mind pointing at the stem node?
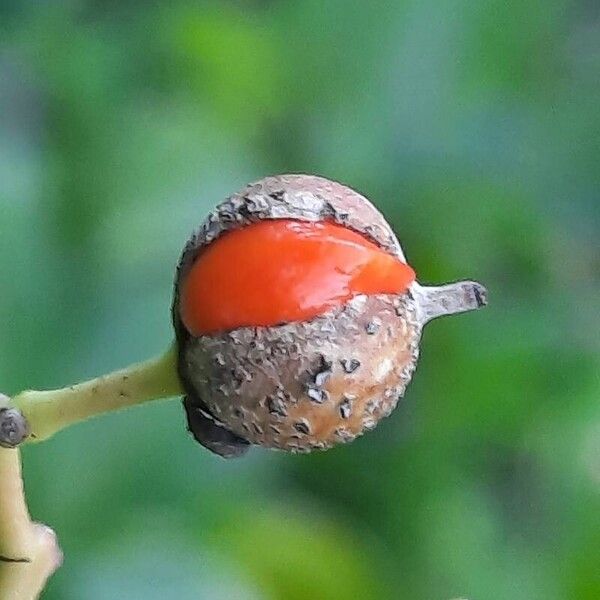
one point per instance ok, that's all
(13, 427)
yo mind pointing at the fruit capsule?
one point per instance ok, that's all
(297, 319)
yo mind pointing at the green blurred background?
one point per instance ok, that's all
(475, 126)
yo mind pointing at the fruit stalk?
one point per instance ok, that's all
(37, 415)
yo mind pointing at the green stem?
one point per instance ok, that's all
(50, 411)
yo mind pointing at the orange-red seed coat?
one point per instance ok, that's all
(282, 270)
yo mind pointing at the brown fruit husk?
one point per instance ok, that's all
(309, 385)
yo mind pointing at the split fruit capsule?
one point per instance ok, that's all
(297, 317)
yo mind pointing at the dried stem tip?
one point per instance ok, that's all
(449, 299)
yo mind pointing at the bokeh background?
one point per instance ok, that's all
(475, 126)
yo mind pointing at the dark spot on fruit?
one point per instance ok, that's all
(322, 378)
(373, 327)
(278, 195)
(276, 406)
(302, 427)
(345, 408)
(323, 372)
(350, 364)
(317, 395)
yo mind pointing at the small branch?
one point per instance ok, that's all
(47, 412)
(29, 552)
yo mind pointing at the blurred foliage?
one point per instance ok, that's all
(475, 127)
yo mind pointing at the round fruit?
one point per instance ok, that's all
(297, 318)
